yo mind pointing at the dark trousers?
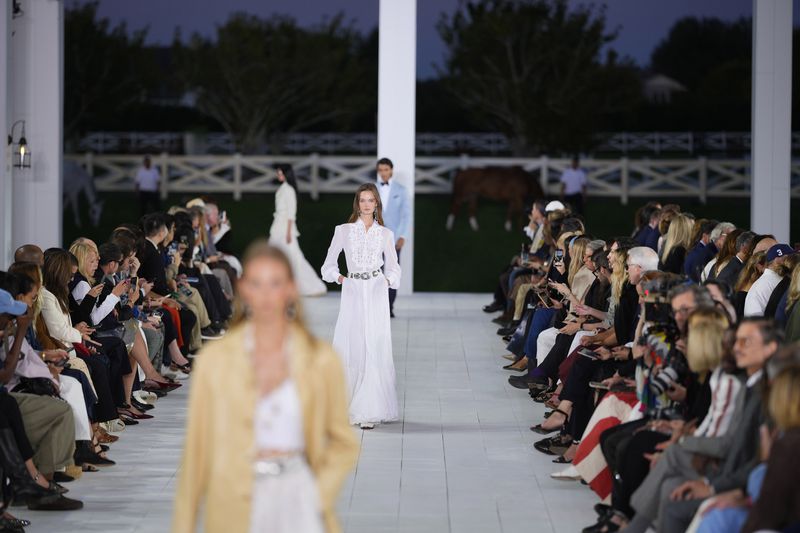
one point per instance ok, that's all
(149, 201)
(576, 201)
(119, 365)
(99, 365)
(393, 292)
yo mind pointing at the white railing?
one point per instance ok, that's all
(427, 143)
(317, 174)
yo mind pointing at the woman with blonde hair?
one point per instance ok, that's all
(268, 444)
(676, 243)
(363, 335)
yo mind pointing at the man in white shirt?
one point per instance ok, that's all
(574, 186)
(146, 182)
(758, 296)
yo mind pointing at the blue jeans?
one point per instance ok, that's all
(732, 519)
(539, 322)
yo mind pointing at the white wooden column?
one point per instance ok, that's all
(397, 77)
(37, 78)
(6, 193)
(771, 117)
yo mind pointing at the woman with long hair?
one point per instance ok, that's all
(363, 334)
(677, 242)
(751, 271)
(283, 233)
(268, 445)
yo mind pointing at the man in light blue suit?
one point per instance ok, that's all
(396, 211)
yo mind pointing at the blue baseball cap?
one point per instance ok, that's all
(11, 306)
(779, 250)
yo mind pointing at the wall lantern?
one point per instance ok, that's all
(21, 154)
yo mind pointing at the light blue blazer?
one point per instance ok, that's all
(397, 214)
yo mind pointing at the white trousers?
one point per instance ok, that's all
(545, 342)
(72, 393)
(288, 502)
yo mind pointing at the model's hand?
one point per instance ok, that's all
(341, 279)
(288, 237)
(399, 243)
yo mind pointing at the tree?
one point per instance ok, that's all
(261, 78)
(532, 69)
(105, 68)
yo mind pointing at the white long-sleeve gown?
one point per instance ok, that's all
(363, 336)
(285, 210)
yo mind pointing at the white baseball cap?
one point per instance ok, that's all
(555, 205)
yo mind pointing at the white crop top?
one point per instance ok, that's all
(279, 420)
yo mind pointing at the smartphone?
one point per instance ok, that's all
(192, 280)
(586, 352)
(559, 256)
(61, 363)
(598, 385)
(134, 280)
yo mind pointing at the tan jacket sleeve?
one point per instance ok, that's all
(341, 451)
(193, 479)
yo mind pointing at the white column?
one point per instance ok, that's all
(397, 76)
(771, 117)
(37, 68)
(6, 194)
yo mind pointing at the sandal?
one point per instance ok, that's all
(86, 467)
(561, 461)
(546, 431)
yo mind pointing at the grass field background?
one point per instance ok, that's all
(460, 260)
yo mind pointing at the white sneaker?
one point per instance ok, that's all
(113, 426)
(145, 397)
(167, 372)
(568, 474)
(365, 425)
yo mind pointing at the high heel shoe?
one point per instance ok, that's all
(135, 416)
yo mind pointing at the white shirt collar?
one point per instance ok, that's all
(752, 380)
(380, 181)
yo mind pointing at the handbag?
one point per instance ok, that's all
(37, 386)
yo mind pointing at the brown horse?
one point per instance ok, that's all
(514, 185)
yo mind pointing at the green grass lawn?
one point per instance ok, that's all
(460, 260)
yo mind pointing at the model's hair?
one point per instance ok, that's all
(679, 234)
(261, 249)
(384, 161)
(750, 273)
(288, 173)
(706, 341)
(372, 189)
(83, 252)
(56, 275)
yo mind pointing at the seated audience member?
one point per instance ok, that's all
(676, 243)
(29, 253)
(751, 272)
(759, 294)
(728, 273)
(647, 234)
(719, 238)
(702, 251)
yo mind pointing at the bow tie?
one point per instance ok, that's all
(384, 183)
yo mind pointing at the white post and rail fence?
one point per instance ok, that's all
(701, 178)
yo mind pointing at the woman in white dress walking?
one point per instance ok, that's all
(363, 334)
(283, 234)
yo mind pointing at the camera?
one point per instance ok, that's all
(658, 309)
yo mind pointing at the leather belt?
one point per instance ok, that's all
(364, 275)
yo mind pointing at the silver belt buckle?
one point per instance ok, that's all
(269, 468)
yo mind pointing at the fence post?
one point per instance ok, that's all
(237, 176)
(163, 162)
(703, 179)
(315, 176)
(544, 175)
(624, 179)
(463, 161)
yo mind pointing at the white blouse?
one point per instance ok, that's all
(59, 323)
(279, 420)
(285, 210)
(365, 251)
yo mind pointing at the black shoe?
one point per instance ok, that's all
(507, 338)
(14, 467)
(391, 313)
(210, 333)
(520, 382)
(508, 330)
(61, 477)
(85, 454)
(493, 307)
(56, 502)
(602, 509)
(502, 320)
(141, 406)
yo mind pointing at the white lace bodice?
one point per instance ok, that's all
(364, 250)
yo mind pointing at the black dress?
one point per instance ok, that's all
(674, 261)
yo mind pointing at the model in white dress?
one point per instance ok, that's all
(284, 234)
(363, 336)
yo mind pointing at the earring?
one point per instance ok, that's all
(291, 311)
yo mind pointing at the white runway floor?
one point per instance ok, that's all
(460, 460)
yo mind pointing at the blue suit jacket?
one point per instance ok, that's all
(697, 258)
(397, 214)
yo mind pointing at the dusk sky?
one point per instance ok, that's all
(641, 23)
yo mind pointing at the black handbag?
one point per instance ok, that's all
(37, 386)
